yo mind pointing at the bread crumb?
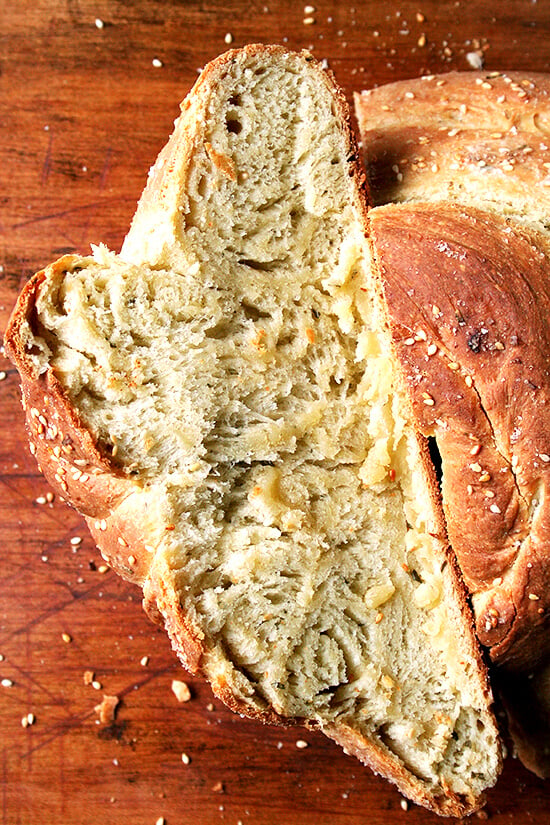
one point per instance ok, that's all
(181, 690)
(88, 677)
(218, 787)
(107, 709)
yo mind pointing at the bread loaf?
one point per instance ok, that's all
(466, 266)
(223, 403)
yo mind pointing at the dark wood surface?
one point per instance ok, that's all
(83, 113)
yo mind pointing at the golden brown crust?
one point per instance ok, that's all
(468, 137)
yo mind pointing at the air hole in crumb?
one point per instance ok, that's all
(233, 125)
(235, 100)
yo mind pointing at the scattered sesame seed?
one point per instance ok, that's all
(3, 375)
(309, 9)
(41, 500)
(469, 381)
(544, 457)
(432, 349)
(228, 38)
(404, 805)
(185, 759)
(160, 821)
(408, 342)
(66, 637)
(494, 508)
(475, 467)
(308, 21)
(533, 597)
(96, 685)
(475, 449)
(421, 42)
(144, 661)
(7, 683)
(156, 63)
(76, 540)
(301, 744)
(99, 24)
(131, 560)
(102, 568)
(470, 489)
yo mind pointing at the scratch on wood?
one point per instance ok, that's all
(47, 165)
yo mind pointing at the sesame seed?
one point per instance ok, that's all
(99, 24)
(468, 381)
(301, 744)
(144, 661)
(309, 9)
(76, 540)
(160, 821)
(409, 95)
(475, 467)
(494, 508)
(485, 477)
(131, 560)
(420, 335)
(3, 375)
(228, 38)
(453, 366)
(185, 759)
(308, 21)
(475, 450)
(102, 568)
(408, 342)
(41, 500)
(497, 582)
(7, 683)
(470, 489)
(404, 804)
(421, 42)
(533, 597)
(156, 63)
(489, 493)
(66, 638)
(432, 349)
(544, 457)
(379, 617)
(96, 685)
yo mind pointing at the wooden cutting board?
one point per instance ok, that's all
(89, 90)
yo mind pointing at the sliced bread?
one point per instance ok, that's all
(223, 403)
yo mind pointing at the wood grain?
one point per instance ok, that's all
(83, 114)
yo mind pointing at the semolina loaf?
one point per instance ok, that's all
(463, 245)
(223, 403)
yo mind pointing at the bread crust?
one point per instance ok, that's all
(463, 137)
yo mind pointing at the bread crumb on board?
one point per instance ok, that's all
(107, 709)
(181, 690)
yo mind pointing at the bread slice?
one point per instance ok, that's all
(223, 403)
(465, 259)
